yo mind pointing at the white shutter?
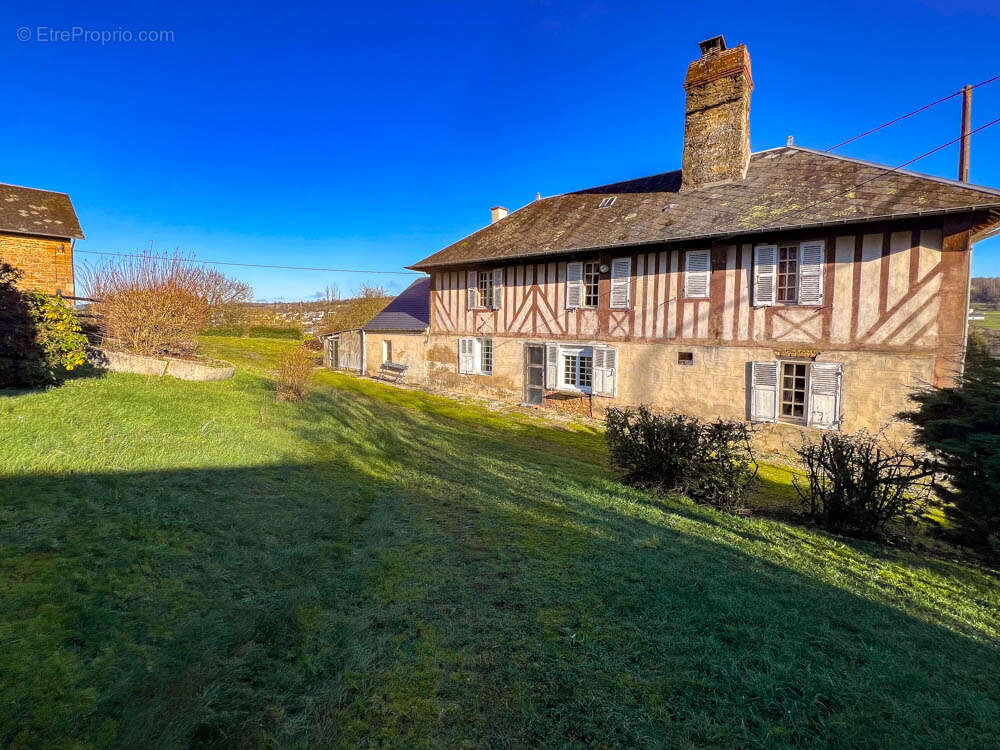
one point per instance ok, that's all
(497, 288)
(552, 366)
(825, 379)
(811, 272)
(605, 371)
(764, 392)
(765, 263)
(466, 356)
(621, 272)
(574, 285)
(697, 270)
(470, 292)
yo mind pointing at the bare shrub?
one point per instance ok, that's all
(150, 304)
(858, 483)
(295, 369)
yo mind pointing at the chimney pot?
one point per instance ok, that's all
(497, 213)
(717, 116)
(790, 141)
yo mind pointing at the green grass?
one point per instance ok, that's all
(195, 564)
(992, 320)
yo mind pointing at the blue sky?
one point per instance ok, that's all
(371, 135)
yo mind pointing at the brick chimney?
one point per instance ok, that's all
(717, 116)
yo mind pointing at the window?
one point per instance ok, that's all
(578, 369)
(685, 358)
(788, 273)
(386, 350)
(484, 289)
(793, 391)
(591, 284)
(484, 285)
(607, 202)
(475, 356)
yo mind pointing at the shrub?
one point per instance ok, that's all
(295, 369)
(961, 426)
(859, 483)
(40, 338)
(152, 305)
(355, 312)
(712, 462)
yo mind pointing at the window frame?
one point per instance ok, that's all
(480, 345)
(591, 283)
(578, 354)
(484, 290)
(804, 404)
(386, 351)
(796, 251)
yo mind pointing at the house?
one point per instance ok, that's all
(788, 286)
(37, 231)
(397, 334)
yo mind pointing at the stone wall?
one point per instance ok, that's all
(875, 385)
(408, 349)
(47, 263)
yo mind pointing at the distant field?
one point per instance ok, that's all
(992, 321)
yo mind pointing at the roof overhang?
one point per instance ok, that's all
(717, 236)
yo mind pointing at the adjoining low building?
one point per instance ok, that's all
(398, 334)
(37, 231)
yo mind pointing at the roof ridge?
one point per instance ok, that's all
(28, 187)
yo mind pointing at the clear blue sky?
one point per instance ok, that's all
(371, 135)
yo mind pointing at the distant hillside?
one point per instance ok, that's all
(986, 291)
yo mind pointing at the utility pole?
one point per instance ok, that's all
(963, 149)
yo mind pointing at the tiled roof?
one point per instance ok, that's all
(410, 311)
(785, 188)
(30, 211)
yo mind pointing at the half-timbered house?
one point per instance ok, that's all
(788, 285)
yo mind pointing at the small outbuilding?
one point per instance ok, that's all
(397, 336)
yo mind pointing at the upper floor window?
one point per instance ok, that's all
(484, 289)
(591, 283)
(789, 274)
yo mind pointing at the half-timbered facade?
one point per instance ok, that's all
(802, 288)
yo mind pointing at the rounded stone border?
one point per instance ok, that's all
(183, 369)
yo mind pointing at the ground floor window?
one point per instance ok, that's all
(475, 356)
(806, 393)
(386, 351)
(577, 369)
(793, 391)
(584, 369)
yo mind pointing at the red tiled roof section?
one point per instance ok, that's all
(784, 188)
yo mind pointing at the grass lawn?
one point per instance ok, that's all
(197, 565)
(992, 320)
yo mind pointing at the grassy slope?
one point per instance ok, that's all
(195, 564)
(991, 322)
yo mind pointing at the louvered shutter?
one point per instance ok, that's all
(811, 272)
(605, 371)
(825, 379)
(552, 366)
(574, 285)
(765, 263)
(764, 392)
(466, 356)
(470, 298)
(497, 288)
(621, 272)
(697, 269)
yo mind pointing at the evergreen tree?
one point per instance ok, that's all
(961, 425)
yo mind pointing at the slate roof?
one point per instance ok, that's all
(409, 311)
(30, 211)
(785, 188)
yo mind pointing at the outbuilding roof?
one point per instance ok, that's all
(41, 212)
(785, 188)
(409, 311)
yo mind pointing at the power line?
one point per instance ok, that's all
(914, 112)
(253, 265)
